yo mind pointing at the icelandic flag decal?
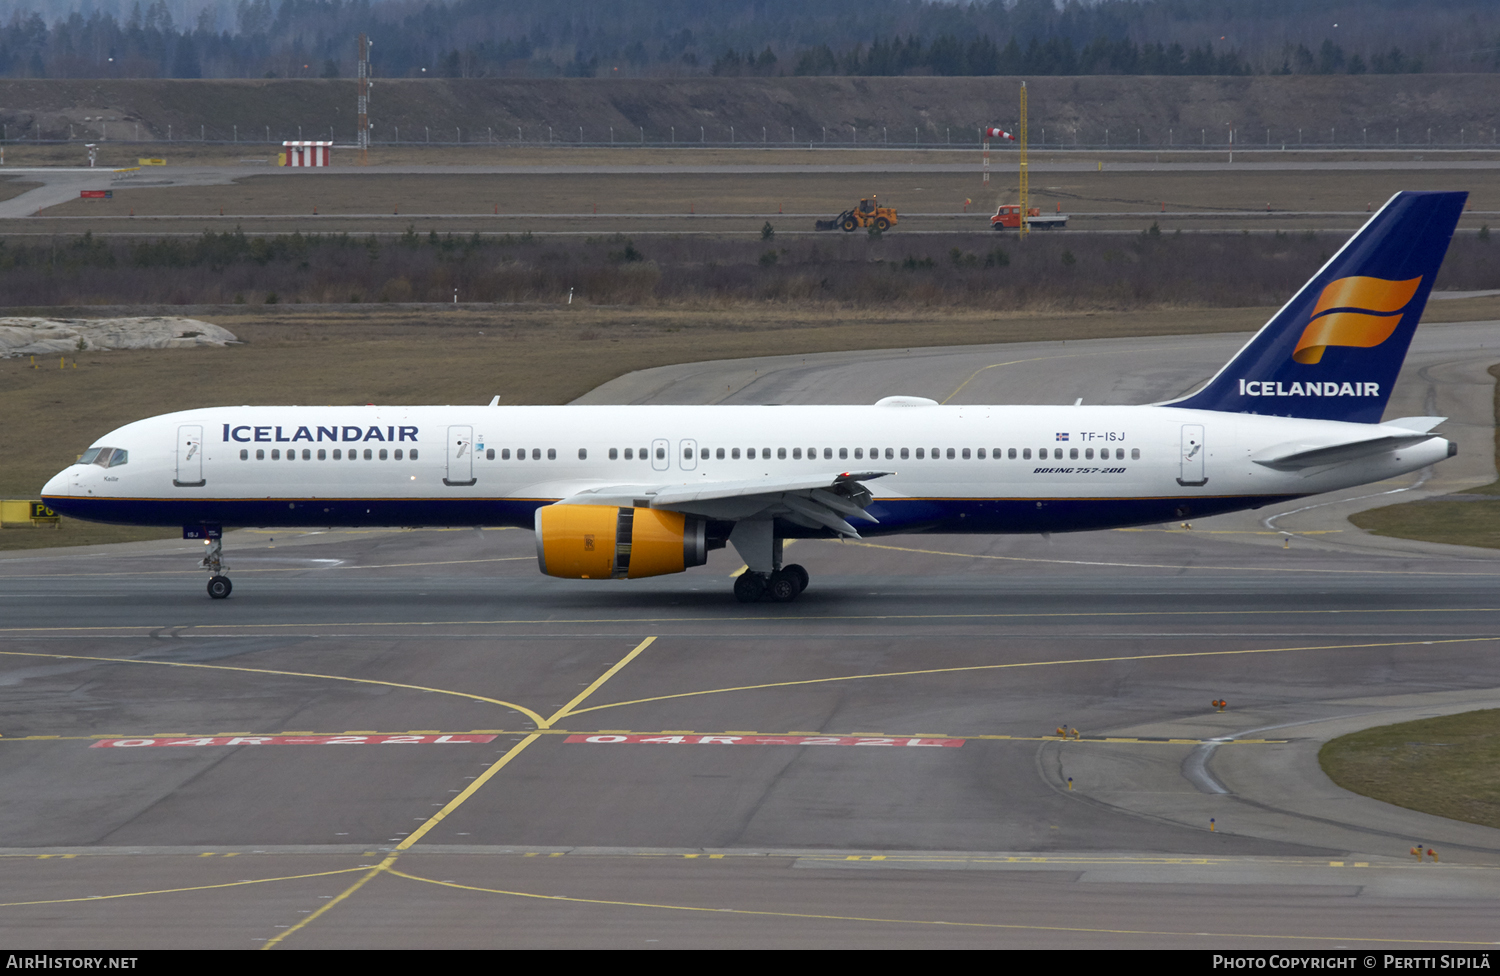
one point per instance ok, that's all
(1062, 437)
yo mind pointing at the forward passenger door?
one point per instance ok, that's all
(189, 457)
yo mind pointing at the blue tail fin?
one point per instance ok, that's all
(1333, 351)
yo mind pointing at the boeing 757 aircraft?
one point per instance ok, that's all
(631, 491)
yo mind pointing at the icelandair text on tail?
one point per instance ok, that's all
(1331, 388)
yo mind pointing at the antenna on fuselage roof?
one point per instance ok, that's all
(495, 402)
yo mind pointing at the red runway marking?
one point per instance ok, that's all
(758, 740)
(295, 740)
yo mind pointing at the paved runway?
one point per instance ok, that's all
(874, 765)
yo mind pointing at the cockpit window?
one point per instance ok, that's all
(105, 457)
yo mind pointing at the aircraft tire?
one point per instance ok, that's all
(783, 587)
(799, 574)
(219, 587)
(749, 587)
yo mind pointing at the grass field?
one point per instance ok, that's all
(1448, 766)
(1473, 521)
(764, 195)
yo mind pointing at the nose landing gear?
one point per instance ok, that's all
(213, 561)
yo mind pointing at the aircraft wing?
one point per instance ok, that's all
(826, 500)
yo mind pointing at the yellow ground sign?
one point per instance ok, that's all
(151, 162)
(22, 511)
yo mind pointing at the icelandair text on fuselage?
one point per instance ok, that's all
(275, 435)
(70, 962)
(1478, 960)
(1269, 388)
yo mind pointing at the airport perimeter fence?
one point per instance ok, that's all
(841, 137)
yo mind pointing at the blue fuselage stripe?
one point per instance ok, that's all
(959, 515)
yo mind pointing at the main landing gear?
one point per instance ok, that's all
(781, 586)
(218, 584)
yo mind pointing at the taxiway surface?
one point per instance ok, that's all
(874, 765)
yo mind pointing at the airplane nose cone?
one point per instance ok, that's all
(57, 485)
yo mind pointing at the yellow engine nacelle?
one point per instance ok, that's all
(604, 542)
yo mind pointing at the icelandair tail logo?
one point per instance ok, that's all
(1355, 311)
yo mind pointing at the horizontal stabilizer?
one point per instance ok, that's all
(1421, 425)
(1298, 455)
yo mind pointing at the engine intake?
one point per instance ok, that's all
(604, 542)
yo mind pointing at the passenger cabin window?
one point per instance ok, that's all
(1135, 454)
(398, 454)
(904, 454)
(382, 454)
(244, 454)
(369, 455)
(260, 454)
(322, 454)
(843, 453)
(781, 453)
(1026, 454)
(614, 454)
(734, 454)
(275, 454)
(489, 454)
(583, 454)
(718, 454)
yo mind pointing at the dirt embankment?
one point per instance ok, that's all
(1320, 110)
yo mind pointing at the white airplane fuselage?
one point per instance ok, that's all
(990, 469)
